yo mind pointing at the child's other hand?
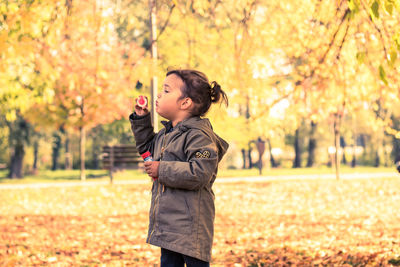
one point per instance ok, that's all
(141, 110)
(151, 167)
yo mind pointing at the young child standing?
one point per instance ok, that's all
(186, 154)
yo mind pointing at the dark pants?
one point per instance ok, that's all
(174, 259)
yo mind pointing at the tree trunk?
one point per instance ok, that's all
(312, 145)
(385, 154)
(56, 150)
(297, 150)
(244, 158)
(68, 154)
(35, 156)
(344, 160)
(396, 144)
(343, 146)
(82, 143)
(154, 57)
(337, 147)
(354, 160)
(17, 160)
(95, 160)
(260, 164)
(377, 159)
(260, 144)
(272, 160)
(250, 161)
(18, 136)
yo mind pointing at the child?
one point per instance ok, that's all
(186, 154)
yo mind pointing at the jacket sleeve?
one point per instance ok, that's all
(143, 132)
(200, 168)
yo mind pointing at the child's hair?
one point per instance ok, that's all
(198, 88)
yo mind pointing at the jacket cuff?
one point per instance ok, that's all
(135, 117)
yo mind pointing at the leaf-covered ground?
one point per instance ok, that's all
(280, 223)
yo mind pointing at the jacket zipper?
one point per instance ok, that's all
(157, 198)
(154, 210)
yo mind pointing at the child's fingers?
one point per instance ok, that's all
(148, 169)
(141, 111)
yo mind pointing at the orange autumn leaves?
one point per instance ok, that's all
(280, 223)
(63, 63)
(96, 72)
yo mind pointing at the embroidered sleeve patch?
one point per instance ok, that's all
(205, 155)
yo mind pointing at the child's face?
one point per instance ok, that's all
(168, 102)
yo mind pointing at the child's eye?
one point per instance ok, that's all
(166, 91)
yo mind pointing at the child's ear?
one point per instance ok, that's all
(186, 103)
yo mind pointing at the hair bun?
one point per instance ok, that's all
(215, 92)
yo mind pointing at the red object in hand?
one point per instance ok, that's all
(147, 156)
(141, 101)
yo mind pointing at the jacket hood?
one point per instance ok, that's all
(205, 126)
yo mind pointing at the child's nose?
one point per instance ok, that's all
(158, 95)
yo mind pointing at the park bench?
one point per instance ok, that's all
(120, 157)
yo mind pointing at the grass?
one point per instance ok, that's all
(286, 223)
(48, 176)
(301, 171)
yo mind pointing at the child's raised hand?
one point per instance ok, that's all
(141, 106)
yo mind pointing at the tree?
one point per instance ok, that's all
(96, 81)
(23, 25)
(378, 44)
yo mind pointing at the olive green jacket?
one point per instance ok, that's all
(182, 205)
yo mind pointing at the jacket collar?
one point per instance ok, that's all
(182, 126)
(167, 125)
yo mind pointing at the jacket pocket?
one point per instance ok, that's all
(174, 212)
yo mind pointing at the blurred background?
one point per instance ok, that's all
(310, 83)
